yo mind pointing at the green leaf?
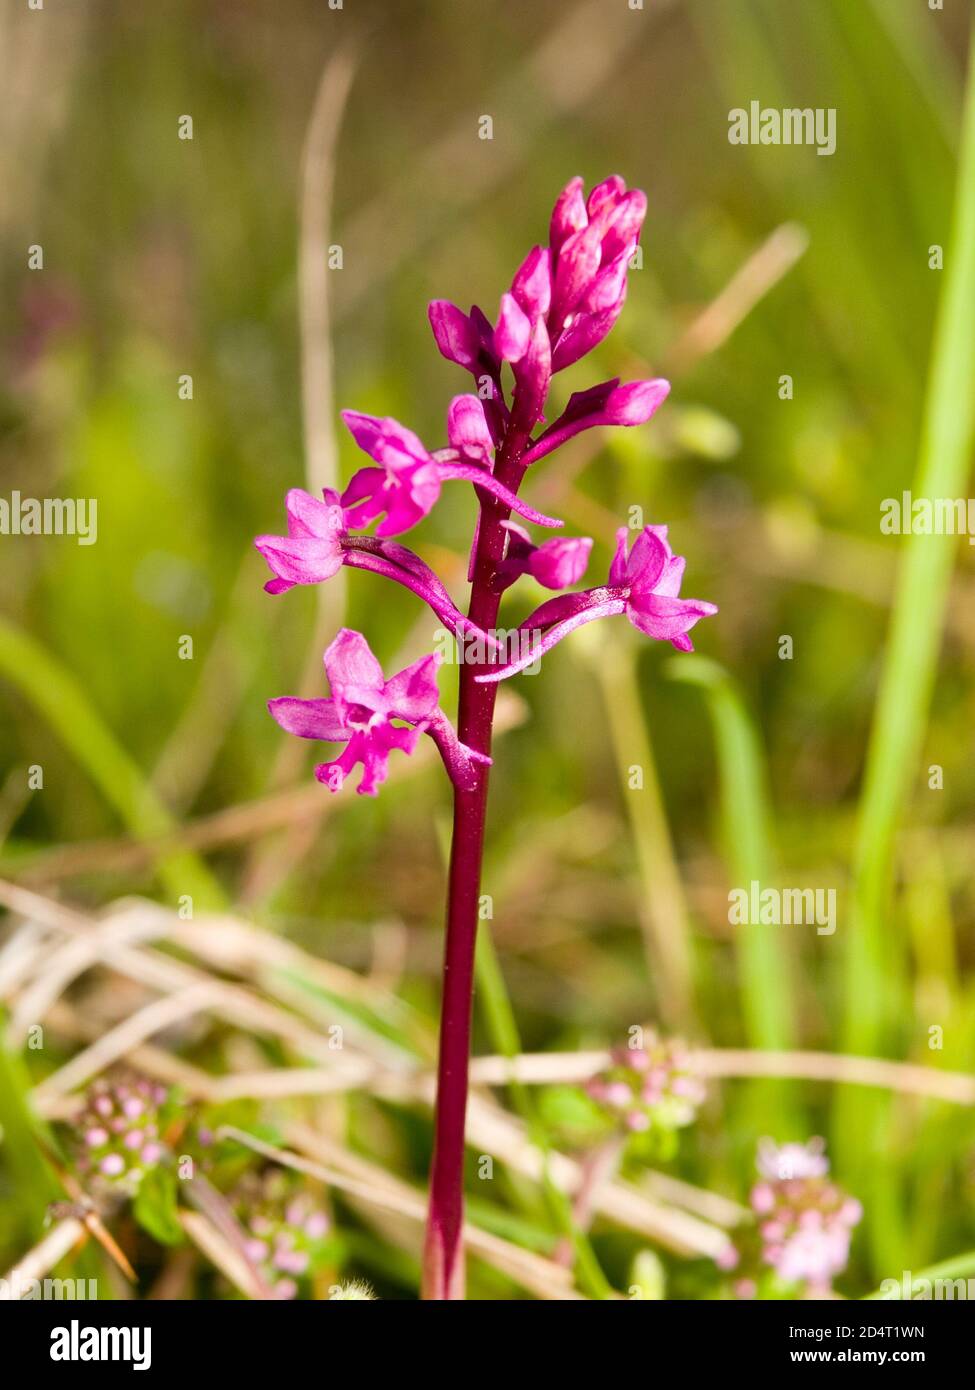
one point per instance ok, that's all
(155, 1207)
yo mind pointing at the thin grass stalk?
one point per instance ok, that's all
(872, 966)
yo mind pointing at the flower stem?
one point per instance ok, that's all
(443, 1260)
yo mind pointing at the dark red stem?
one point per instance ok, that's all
(443, 1263)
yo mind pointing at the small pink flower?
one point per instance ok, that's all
(319, 543)
(361, 711)
(651, 574)
(316, 1225)
(312, 550)
(406, 486)
(644, 584)
(762, 1198)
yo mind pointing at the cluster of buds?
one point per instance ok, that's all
(287, 1231)
(563, 300)
(649, 1088)
(804, 1220)
(119, 1132)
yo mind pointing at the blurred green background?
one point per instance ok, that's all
(164, 257)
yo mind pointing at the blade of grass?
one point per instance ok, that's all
(58, 695)
(873, 960)
(664, 914)
(22, 1155)
(765, 973)
(958, 1267)
(766, 977)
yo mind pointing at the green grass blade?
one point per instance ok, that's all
(32, 1181)
(665, 919)
(59, 697)
(873, 960)
(766, 982)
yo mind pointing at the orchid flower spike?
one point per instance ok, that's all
(406, 485)
(560, 304)
(644, 584)
(361, 711)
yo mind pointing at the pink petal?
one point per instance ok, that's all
(668, 585)
(309, 718)
(310, 516)
(584, 333)
(568, 215)
(560, 562)
(578, 263)
(532, 285)
(666, 619)
(467, 428)
(533, 375)
(624, 224)
(409, 500)
(606, 404)
(607, 287)
(646, 561)
(306, 560)
(455, 334)
(385, 439)
(513, 331)
(636, 401)
(413, 693)
(617, 569)
(605, 194)
(350, 662)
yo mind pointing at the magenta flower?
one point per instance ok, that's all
(644, 584)
(313, 548)
(361, 712)
(804, 1219)
(318, 543)
(407, 484)
(649, 580)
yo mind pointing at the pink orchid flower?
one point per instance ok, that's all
(361, 711)
(406, 486)
(644, 584)
(319, 543)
